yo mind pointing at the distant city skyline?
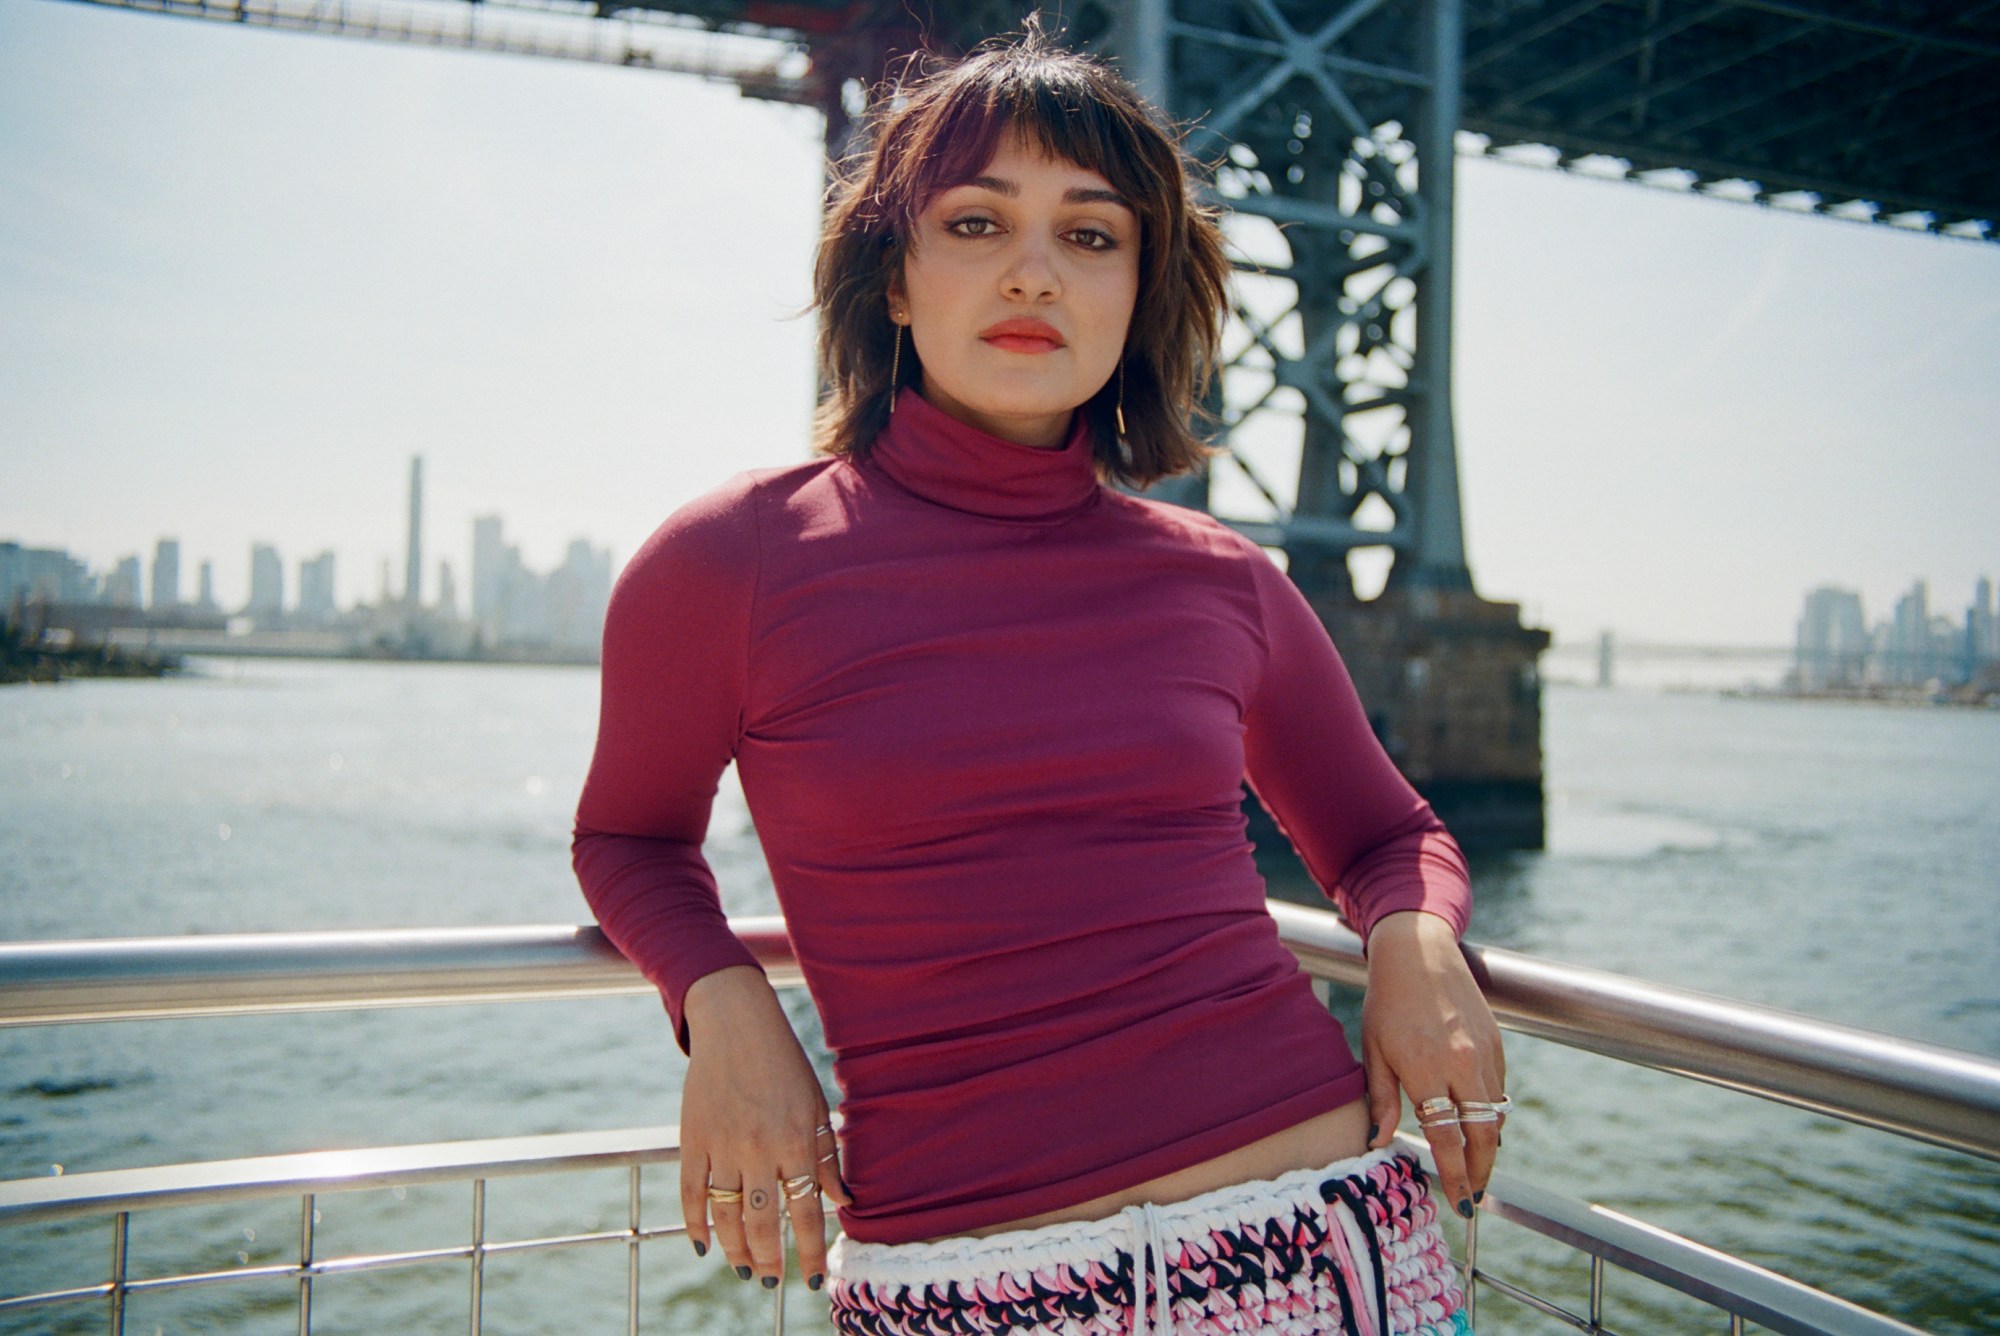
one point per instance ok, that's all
(1915, 645)
(278, 575)
(245, 276)
(136, 579)
(512, 604)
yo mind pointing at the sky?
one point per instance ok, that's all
(245, 275)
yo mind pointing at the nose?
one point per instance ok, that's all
(1031, 272)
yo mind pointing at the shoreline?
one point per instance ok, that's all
(24, 665)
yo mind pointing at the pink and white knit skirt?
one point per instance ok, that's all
(1352, 1248)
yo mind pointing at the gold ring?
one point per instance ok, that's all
(1431, 1108)
(801, 1187)
(823, 1127)
(724, 1194)
(830, 1155)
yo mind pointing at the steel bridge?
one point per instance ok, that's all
(1320, 117)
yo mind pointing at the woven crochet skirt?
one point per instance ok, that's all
(1351, 1248)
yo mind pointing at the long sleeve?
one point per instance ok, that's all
(1367, 837)
(675, 665)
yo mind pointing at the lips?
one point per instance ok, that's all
(1023, 336)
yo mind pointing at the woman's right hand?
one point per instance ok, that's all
(750, 1109)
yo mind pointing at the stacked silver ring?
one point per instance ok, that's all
(1442, 1111)
(1438, 1112)
(1480, 1111)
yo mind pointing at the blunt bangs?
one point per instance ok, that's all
(1049, 107)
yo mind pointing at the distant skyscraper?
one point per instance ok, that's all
(413, 566)
(206, 600)
(512, 605)
(489, 575)
(122, 589)
(42, 574)
(524, 601)
(267, 582)
(579, 592)
(1982, 632)
(1910, 653)
(1833, 641)
(166, 575)
(316, 589)
(447, 604)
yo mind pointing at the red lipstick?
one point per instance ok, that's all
(1023, 336)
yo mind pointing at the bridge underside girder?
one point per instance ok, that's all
(1879, 110)
(1886, 109)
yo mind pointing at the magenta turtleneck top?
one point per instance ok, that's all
(992, 719)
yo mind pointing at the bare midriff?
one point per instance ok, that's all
(1335, 1135)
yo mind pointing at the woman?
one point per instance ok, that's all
(992, 718)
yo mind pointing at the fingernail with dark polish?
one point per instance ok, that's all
(743, 1273)
(770, 1282)
(1372, 1129)
(815, 1280)
(1465, 1208)
(700, 1248)
(1479, 1196)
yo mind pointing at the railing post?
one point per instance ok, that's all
(778, 1295)
(121, 1225)
(307, 1208)
(1471, 1272)
(478, 1254)
(632, 1260)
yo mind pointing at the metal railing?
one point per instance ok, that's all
(1915, 1090)
(118, 1193)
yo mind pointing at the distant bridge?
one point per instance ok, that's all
(1643, 649)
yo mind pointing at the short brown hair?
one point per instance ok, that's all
(938, 130)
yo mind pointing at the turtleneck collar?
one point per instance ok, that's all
(932, 454)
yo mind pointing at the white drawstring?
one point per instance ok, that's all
(1144, 1219)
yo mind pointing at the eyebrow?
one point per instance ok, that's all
(1000, 185)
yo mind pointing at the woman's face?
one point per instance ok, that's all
(1017, 288)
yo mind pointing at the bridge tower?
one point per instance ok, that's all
(1331, 129)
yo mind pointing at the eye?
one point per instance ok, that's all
(972, 225)
(1094, 238)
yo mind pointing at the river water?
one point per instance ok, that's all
(1832, 859)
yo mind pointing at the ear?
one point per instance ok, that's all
(898, 300)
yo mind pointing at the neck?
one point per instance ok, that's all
(1039, 431)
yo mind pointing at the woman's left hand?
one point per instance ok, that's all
(1426, 1030)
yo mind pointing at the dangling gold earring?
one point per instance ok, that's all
(1119, 410)
(895, 369)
